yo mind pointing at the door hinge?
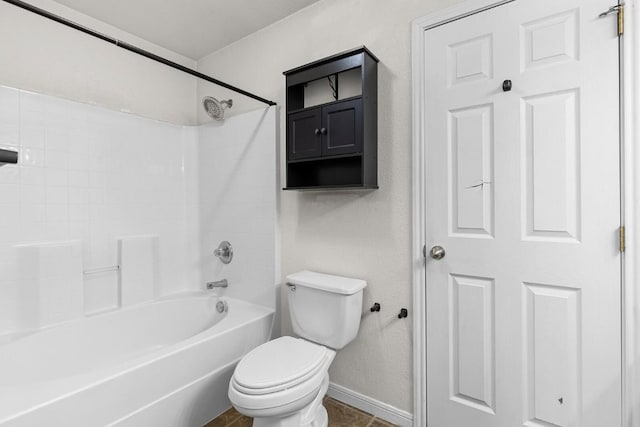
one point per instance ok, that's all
(619, 9)
(622, 238)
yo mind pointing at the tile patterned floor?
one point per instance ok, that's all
(340, 415)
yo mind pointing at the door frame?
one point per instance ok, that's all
(630, 203)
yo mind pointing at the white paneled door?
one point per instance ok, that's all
(523, 194)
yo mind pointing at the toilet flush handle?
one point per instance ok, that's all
(291, 286)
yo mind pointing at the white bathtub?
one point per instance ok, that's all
(165, 363)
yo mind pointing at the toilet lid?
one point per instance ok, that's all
(279, 364)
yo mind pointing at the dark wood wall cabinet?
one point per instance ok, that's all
(332, 123)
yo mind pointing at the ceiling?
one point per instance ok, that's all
(192, 28)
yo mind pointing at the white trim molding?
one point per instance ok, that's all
(630, 103)
(630, 161)
(372, 406)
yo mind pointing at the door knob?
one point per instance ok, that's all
(436, 252)
(317, 131)
(323, 131)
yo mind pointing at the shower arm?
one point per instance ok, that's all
(132, 48)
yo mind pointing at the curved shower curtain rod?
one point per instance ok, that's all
(131, 48)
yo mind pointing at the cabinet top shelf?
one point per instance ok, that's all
(326, 104)
(331, 58)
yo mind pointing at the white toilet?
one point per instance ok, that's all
(282, 382)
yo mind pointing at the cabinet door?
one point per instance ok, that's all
(342, 128)
(303, 134)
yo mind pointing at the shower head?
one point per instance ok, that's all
(214, 108)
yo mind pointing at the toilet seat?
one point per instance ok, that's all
(279, 364)
(282, 375)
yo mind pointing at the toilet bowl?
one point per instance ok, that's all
(281, 378)
(282, 382)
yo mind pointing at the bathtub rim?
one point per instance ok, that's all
(235, 319)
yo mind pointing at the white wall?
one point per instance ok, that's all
(360, 234)
(91, 175)
(237, 176)
(46, 57)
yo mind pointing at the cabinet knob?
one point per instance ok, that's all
(323, 131)
(317, 131)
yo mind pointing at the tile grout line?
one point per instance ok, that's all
(238, 416)
(354, 410)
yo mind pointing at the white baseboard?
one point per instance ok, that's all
(370, 405)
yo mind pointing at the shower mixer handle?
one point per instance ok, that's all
(224, 251)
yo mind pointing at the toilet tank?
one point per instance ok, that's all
(324, 308)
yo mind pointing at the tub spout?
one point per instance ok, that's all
(218, 284)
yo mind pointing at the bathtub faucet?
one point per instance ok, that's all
(218, 284)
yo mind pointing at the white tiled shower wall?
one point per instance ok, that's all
(237, 166)
(89, 176)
